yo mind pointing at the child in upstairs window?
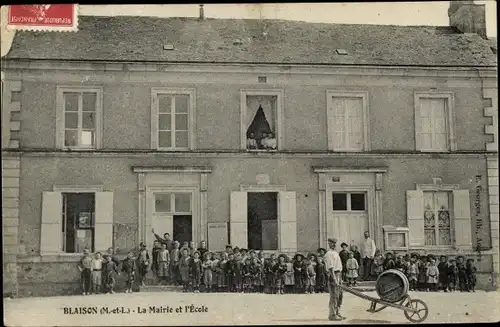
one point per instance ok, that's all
(470, 272)
(352, 266)
(443, 273)
(85, 267)
(251, 142)
(129, 267)
(432, 276)
(270, 142)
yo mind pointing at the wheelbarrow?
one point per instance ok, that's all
(392, 288)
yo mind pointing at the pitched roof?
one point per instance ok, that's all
(132, 38)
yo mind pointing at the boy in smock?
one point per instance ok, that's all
(97, 273)
(85, 267)
(352, 266)
(163, 262)
(129, 267)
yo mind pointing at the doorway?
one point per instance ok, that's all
(262, 220)
(183, 228)
(350, 217)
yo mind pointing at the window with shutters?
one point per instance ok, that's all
(172, 119)
(347, 120)
(434, 122)
(79, 118)
(437, 218)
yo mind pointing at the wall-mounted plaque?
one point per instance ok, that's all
(396, 238)
(217, 236)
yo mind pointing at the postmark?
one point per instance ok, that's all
(43, 17)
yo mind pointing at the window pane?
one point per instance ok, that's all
(340, 201)
(87, 138)
(181, 122)
(89, 101)
(181, 139)
(181, 103)
(165, 139)
(358, 202)
(71, 101)
(182, 202)
(441, 141)
(164, 103)
(70, 137)
(162, 202)
(88, 121)
(164, 122)
(71, 120)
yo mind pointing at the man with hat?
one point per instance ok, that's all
(334, 271)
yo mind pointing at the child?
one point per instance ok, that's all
(184, 267)
(175, 255)
(207, 271)
(432, 276)
(422, 273)
(300, 273)
(443, 273)
(154, 254)
(311, 274)
(163, 262)
(221, 272)
(321, 253)
(470, 272)
(85, 267)
(413, 273)
(462, 274)
(238, 272)
(247, 275)
(406, 264)
(352, 269)
(196, 269)
(398, 263)
(129, 267)
(109, 270)
(256, 272)
(280, 269)
(452, 275)
(388, 262)
(215, 257)
(143, 264)
(97, 273)
(192, 248)
(289, 276)
(269, 271)
(344, 256)
(356, 253)
(320, 276)
(378, 262)
(229, 273)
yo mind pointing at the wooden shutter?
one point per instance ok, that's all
(440, 124)
(355, 128)
(239, 220)
(462, 219)
(336, 117)
(103, 228)
(287, 222)
(51, 236)
(415, 216)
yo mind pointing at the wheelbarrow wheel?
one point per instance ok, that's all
(421, 310)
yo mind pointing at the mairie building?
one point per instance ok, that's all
(263, 134)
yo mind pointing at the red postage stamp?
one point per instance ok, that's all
(58, 17)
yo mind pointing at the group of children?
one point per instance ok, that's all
(425, 274)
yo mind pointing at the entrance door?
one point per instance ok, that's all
(262, 220)
(350, 217)
(183, 227)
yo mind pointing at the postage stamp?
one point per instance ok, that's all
(49, 18)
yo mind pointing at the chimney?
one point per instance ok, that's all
(202, 13)
(468, 17)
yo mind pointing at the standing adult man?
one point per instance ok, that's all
(333, 266)
(167, 240)
(369, 249)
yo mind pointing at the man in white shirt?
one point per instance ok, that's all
(333, 266)
(369, 249)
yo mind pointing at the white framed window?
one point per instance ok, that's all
(434, 128)
(437, 218)
(347, 120)
(173, 119)
(173, 203)
(74, 219)
(261, 119)
(79, 118)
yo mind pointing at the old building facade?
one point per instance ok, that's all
(135, 123)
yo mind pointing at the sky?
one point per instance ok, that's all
(392, 13)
